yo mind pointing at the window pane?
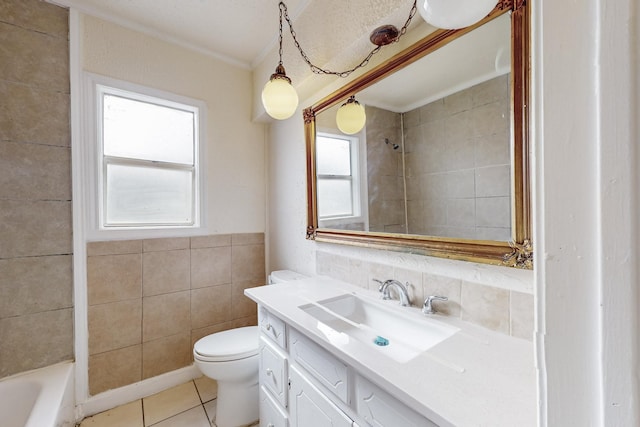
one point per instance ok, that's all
(145, 195)
(334, 198)
(146, 131)
(333, 156)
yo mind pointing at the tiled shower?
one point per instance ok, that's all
(36, 282)
(450, 175)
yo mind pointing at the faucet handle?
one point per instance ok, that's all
(380, 282)
(427, 307)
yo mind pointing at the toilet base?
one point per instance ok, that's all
(237, 404)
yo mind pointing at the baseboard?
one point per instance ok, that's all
(130, 393)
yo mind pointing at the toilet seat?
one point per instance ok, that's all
(225, 346)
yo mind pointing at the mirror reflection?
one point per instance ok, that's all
(434, 157)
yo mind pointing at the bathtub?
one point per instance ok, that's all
(40, 398)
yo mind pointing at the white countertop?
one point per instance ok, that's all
(476, 377)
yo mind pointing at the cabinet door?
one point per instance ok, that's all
(271, 415)
(310, 408)
(380, 409)
(322, 365)
(273, 370)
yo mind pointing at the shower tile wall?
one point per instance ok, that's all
(457, 164)
(36, 307)
(150, 300)
(384, 172)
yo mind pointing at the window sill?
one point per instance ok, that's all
(145, 233)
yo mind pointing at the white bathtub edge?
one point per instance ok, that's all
(66, 412)
(56, 399)
(130, 393)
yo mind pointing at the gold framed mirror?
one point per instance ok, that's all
(464, 217)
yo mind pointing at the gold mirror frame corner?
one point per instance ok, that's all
(519, 252)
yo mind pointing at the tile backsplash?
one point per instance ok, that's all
(503, 310)
(150, 300)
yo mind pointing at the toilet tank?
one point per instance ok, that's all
(283, 276)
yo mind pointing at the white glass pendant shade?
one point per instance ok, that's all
(279, 98)
(351, 117)
(454, 14)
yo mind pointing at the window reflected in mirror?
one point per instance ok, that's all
(436, 147)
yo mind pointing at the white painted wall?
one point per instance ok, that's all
(286, 245)
(235, 145)
(585, 71)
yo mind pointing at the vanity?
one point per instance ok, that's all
(332, 354)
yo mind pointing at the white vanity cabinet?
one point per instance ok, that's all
(271, 413)
(272, 373)
(378, 408)
(304, 385)
(310, 407)
(272, 327)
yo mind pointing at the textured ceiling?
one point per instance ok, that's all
(245, 31)
(334, 34)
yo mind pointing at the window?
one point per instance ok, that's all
(147, 153)
(337, 172)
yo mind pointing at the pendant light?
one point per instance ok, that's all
(280, 99)
(351, 117)
(454, 14)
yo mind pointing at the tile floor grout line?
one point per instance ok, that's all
(142, 406)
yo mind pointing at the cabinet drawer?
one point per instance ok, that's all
(270, 413)
(380, 409)
(273, 370)
(321, 364)
(310, 408)
(272, 327)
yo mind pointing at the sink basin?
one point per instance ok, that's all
(352, 316)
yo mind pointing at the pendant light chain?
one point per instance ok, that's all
(318, 70)
(412, 13)
(280, 32)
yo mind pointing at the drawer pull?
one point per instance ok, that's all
(271, 425)
(268, 326)
(269, 372)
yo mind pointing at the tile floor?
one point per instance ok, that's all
(192, 404)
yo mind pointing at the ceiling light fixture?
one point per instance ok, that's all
(454, 14)
(280, 99)
(351, 117)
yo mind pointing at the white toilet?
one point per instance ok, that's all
(231, 358)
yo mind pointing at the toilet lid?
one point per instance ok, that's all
(233, 344)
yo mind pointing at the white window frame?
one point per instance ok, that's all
(358, 181)
(95, 163)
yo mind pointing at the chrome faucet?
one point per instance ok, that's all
(427, 307)
(403, 294)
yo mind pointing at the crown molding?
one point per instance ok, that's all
(136, 26)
